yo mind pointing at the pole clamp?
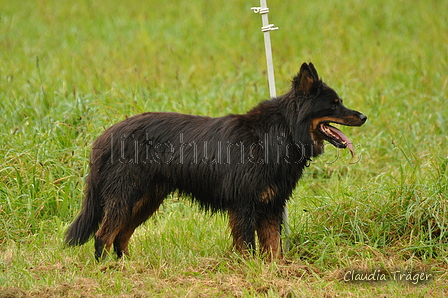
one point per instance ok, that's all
(261, 10)
(269, 27)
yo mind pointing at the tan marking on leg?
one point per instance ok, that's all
(269, 237)
(107, 236)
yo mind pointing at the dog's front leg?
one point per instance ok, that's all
(268, 227)
(242, 225)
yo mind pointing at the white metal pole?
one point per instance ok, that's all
(267, 28)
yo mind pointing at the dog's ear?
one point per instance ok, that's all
(314, 71)
(306, 81)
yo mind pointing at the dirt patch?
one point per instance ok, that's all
(12, 293)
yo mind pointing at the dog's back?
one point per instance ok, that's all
(207, 158)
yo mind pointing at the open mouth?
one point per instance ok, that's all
(336, 137)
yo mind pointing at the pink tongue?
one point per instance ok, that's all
(342, 137)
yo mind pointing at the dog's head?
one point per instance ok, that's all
(321, 105)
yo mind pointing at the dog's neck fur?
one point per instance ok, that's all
(290, 118)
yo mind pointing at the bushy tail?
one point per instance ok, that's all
(87, 222)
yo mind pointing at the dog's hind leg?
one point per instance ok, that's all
(242, 225)
(116, 216)
(141, 211)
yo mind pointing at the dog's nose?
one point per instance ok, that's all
(363, 118)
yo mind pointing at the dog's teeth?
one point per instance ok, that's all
(329, 132)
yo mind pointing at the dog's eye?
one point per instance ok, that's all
(336, 102)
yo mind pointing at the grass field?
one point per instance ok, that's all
(70, 69)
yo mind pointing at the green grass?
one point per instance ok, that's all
(70, 69)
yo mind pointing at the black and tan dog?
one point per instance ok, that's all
(245, 164)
